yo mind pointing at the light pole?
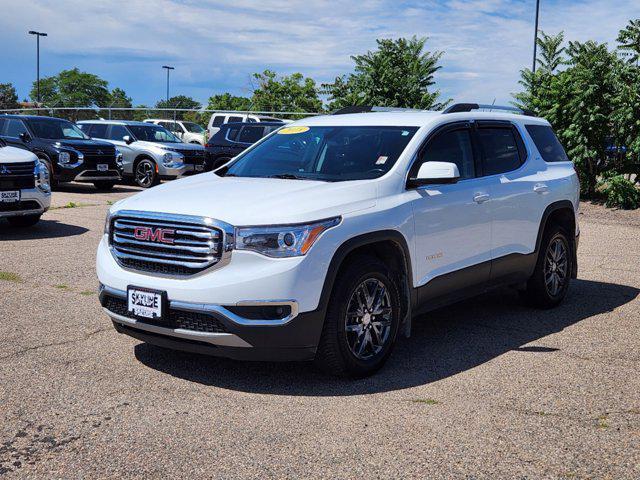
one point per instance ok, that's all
(168, 70)
(535, 36)
(38, 35)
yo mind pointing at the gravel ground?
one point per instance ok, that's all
(484, 389)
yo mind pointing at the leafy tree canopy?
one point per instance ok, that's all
(72, 88)
(400, 73)
(226, 101)
(292, 93)
(8, 96)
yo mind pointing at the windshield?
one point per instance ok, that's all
(153, 133)
(193, 127)
(325, 153)
(54, 129)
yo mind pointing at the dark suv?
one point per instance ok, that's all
(233, 138)
(67, 152)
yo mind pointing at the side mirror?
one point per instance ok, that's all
(25, 137)
(436, 173)
(127, 139)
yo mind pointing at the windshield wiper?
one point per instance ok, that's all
(288, 176)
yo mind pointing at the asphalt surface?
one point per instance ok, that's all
(486, 389)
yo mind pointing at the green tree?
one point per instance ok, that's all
(141, 114)
(629, 40)
(119, 99)
(400, 73)
(293, 93)
(8, 96)
(226, 101)
(179, 101)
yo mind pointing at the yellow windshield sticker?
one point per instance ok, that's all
(293, 130)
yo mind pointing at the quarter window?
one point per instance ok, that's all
(500, 149)
(453, 146)
(547, 143)
(232, 133)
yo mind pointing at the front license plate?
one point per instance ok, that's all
(146, 303)
(103, 167)
(10, 197)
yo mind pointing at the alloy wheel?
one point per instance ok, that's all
(369, 318)
(144, 174)
(556, 266)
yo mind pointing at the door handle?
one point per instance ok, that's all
(540, 188)
(481, 197)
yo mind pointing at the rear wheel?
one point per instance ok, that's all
(104, 185)
(24, 221)
(549, 283)
(145, 174)
(362, 320)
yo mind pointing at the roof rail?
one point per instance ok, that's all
(370, 108)
(467, 107)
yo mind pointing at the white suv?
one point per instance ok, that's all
(188, 132)
(324, 239)
(25, 193)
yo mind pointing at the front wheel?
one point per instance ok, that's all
(24, 221)
(145, 174)
(362, 320)
(104, 185)
(549, 283)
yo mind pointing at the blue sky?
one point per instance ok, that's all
(216, 45)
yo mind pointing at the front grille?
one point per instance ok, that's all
(17, 175)
(193, 157)
(194, 321)
(97, 154)
(165, 244)
(20, 206)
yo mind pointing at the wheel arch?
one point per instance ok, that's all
(390, 246)
(560, 213)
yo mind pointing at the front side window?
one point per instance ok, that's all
(56, 129)
(14, 128)
(547, 143)
(153, 133)
(500, 150)
(453, 147)
(193, 127)
(335, 153)
(118, 132)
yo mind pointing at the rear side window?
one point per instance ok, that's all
(454, 147)
(234, 119)
(233, 133)
(251, 134)
(547, 143)
(500, 148)
(14, 128)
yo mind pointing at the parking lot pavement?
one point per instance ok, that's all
(484, 389)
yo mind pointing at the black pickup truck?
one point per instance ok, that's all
(68, 153)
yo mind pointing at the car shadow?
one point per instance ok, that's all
(443, 343)
(42, 229)
(90, 189)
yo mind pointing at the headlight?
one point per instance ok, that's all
(172, 159)
(118, 158)
(41, 175)
(64, 157)
(282, 240)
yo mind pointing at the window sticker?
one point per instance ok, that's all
(382, 160)
(292, 130)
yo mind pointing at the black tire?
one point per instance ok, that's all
(218, 162)
(104, 185)
(549, 283)
(24, 221)
(144, 173)
(336, 354)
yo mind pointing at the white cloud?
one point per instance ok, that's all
(215, 45)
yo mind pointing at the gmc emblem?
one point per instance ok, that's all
(148, 234)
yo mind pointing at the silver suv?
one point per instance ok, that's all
(150, 152)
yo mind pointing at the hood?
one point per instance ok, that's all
(77, 143)
(254, 201)
(167, 146)
(15, 155)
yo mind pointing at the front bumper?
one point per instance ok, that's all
(215, 330)
(89, 176)
(33, 201)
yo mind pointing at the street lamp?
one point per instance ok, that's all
(168, 70)
(38, 35)
(535, 36)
